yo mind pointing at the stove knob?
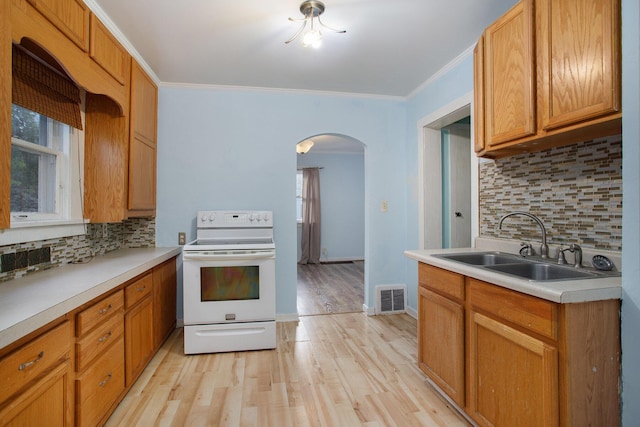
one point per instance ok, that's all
(203, 218)
(251, 217)
(212, 218)
(266, 217)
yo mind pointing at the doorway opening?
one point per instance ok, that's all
(437, 217)
(335, 282)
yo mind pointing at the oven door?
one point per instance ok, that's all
(229, 286)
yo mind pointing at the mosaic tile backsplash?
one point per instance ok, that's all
(575, 190)
(20, 259)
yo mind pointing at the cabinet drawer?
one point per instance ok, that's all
(532, 313)
(29, 361)
(138, 290)
(443, 281)
(89, 318)
(99, 387)
(94, 343)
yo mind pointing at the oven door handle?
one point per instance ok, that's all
(225, 256)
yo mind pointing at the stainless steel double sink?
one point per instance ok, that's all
(525, 268)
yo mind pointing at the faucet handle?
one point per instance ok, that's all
(526, 249)
(577, 251)
(561, 258)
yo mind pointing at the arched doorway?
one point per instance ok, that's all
(334, 283)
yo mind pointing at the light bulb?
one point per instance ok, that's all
(312, 38)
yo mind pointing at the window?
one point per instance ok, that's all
(38, 148)
(47, 149)
(45, 169)
(299, 196)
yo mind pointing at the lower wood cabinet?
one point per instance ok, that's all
(508, 359)
(100, 385)
(36, 379)
(441, 342)
(513, 377)
(99, 359)
(76, 370)
(138, 332)
(164, 301)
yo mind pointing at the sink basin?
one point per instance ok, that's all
(525, 268)
(481, 258)
(541, 272)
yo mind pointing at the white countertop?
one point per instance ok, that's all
(561, 291)
(32, 301)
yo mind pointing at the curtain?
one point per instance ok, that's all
(310, 242)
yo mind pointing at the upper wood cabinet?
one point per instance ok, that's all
(578, 60)
(547, 73)
(69, 16)
(5, 115)
(509, 76)
(142, 143)
(107, 52)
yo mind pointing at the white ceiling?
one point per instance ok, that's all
(390, 48)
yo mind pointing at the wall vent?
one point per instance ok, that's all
(391, 299)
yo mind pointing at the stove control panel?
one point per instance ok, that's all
(234, 219)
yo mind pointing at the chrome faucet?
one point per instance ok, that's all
(544, 248)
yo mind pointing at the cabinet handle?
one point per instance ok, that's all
(104, 310)
(106, 380)
(106, 337)
(27, 364)
(142, 288)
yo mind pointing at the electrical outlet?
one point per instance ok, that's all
(105, 230)
(384, 206)
(182, 238)
(324, 252)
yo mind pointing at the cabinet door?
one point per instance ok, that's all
(441, 342)
(578, 51)
(138, 327)
(142, 175)
(71, 17)
(142, 143)
(509, 76)
(105, 50)
(47, 399)
(164, 301)
(513, 377)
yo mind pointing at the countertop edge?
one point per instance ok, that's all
(562, 292)
(148, 258)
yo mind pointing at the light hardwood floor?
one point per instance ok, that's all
(330, 288)
(333, 370)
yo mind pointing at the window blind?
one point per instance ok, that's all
(39, 88)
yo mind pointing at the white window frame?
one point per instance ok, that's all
(68, 219)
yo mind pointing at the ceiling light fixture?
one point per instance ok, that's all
(304, 146)
(311, 10)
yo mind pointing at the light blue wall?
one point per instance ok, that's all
(234, 149)
(342, 202)
(440, 92)
(630, 213)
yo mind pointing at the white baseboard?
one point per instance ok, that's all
(412, 312)
(291, 317)
(369, 311)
